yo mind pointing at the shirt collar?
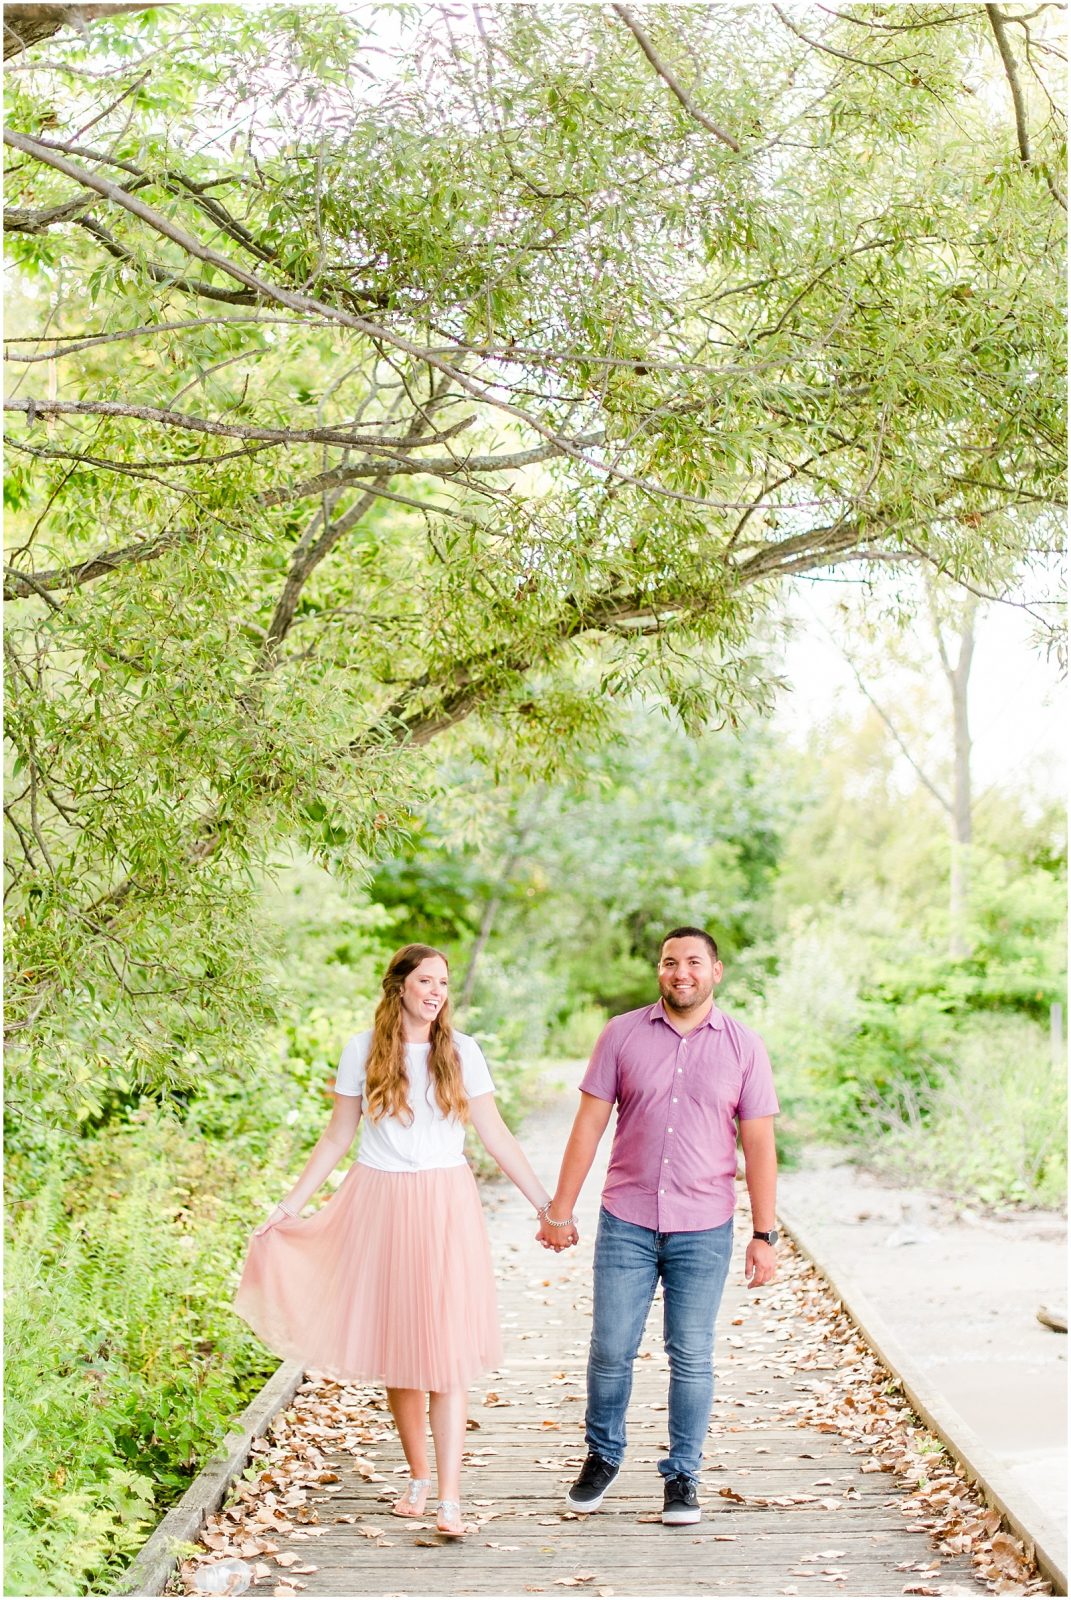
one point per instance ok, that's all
(715, 1019)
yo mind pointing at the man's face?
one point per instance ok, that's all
(687, 974)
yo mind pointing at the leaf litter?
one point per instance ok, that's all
(846, 1392)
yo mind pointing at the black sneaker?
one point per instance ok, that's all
(681, 1502)
(596, 1476)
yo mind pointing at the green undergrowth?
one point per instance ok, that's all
(992, 1130)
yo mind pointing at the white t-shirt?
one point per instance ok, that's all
(430, 1140)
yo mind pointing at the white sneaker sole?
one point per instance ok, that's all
(681, 1519)
(582, 1507)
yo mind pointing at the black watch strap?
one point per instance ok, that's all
(770, 1238)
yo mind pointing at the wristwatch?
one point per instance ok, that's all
(770, 1238)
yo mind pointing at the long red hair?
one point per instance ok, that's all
(386, 1090)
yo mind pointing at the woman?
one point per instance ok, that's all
(391, 1281)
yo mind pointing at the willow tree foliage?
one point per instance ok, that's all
(378, 366)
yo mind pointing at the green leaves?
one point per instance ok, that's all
(710, 368)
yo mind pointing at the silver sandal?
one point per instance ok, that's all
(412, 1497)
(450, 1510)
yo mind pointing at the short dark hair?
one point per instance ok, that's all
(690, 933)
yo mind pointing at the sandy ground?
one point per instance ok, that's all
(960, 1292)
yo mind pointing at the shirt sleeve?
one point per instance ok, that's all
(349, 1079)
(758, 1097)
(475, 1073)
(601, 1077)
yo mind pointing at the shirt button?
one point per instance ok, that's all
(680, 1069)
(661, 1191)
(674, 1099)
(666, 1162)
(669, 1130)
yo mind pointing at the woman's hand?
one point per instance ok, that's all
(278, 1215)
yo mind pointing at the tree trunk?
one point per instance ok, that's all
(959, 878)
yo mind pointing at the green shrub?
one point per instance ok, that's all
(125, 1364)
(994, 1127)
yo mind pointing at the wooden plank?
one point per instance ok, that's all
(155, 1561)
(520, 1470)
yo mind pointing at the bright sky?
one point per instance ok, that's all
(1017, 703)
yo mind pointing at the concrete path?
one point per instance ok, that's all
(960, 1292)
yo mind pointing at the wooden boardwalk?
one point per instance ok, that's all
(789, 1507)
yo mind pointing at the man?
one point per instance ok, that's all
(683, 1076)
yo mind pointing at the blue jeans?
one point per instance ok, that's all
(629, 1261)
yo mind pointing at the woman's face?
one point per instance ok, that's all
(424, 991)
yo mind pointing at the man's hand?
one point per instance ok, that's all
(556, 1239)
(760, 1263)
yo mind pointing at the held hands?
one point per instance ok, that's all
(555, 1238)
(760, 1263)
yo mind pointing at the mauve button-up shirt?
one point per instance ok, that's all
(679, 1099)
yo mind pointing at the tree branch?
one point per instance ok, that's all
(17, 219)
(669, 78)
(25, 25)
(18, 585)
(339, 477)
(231, 430)
(260, 288)
(998, 22)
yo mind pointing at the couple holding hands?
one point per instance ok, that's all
(391, 1281)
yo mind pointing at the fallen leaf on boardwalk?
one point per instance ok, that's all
(491, 1545)
(285, 1558)
(577, 1579)
(919, 1588)
(261, 1570)
(346, 1519)
(605, 1591)
(305, 1569)
(646, 1516)
(826, 1555)
(281, 1592)
(533, 1588)
(731, 1494)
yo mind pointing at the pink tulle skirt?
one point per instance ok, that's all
(389, 1282)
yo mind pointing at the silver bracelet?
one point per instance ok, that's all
(541, 1213)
